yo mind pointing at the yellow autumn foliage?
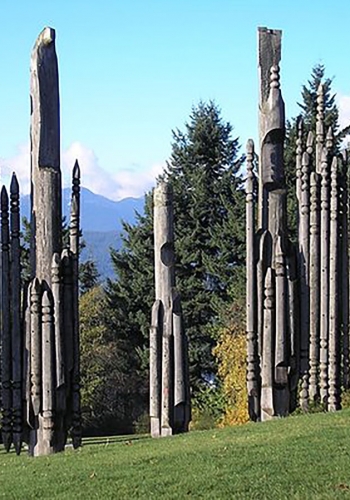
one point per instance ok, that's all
(230, 352)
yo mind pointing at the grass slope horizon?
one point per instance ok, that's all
(301, 457)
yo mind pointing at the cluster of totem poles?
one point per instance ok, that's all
(297, 293)
(40, 398)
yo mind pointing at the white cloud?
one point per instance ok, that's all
(133, 181)
(20, 164)
(343, 102)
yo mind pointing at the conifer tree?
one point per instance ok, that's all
(204, 170)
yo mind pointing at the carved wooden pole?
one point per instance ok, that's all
(45, 154)
(67, 300)
(314, 287)
(36, 446)
(46, 186)
(299, 155)
(293, 329)
(164, 281)
(155, 368)
(319, 128)
(304, 224)
(168, 343)
(265, 255)
(74, 247)
(47, 328)
(35, 347)
(59, 342)
(267, 402)
(334, 338)
(324, 279)
(271, 118)
(182, 407)
(281, 362)
(251, 290)
(344, 282)
(272, 207)
(16, 330)
(6, 324)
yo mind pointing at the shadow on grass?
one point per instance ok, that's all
(88, 441)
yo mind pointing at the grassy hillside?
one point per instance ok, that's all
(300, 457)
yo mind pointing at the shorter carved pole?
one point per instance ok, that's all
(74, 247)
(267, 403)
(251, 290)
(35, 368)
(281, 362)
(167, 376)
(16, 331)
(334, 358)
(47, 374)
(35, 343)
(314, 288)
(67, 299)
(182, 408)
(293, 323)
(345, 275)
(6, 324)
(155, 369)
(324, 279)
(304, 224)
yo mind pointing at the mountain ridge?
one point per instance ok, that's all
(101, 223)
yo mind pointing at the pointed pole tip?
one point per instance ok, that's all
(4, 196)
(14, 186)
(76, 170)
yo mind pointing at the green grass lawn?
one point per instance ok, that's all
(300, 457)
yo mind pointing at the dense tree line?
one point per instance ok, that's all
(205, 170)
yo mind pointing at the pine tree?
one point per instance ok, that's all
(88, 276)
(308, 107)
(209, 240)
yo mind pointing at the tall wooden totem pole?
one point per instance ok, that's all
(169, 385)
(40, 324)
(297, 295)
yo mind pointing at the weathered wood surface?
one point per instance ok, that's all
(74, 234)
(334, 333)
(314, 287)
(169, 389)
(155, 371)
(164, 283)
(324, 278)
(46, 217)
(16, 327)
(267, 400)
(253, 372)
(6, 324)
(304, 224)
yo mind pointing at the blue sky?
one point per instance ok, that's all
(131, 70)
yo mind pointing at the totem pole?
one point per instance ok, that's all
(297, 296)
(169, 385)
(40, 352)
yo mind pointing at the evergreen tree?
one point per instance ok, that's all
(209, 240)
(308, 107)
(88, 276)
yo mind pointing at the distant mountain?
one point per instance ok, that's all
(101, 222)
(97, 248)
